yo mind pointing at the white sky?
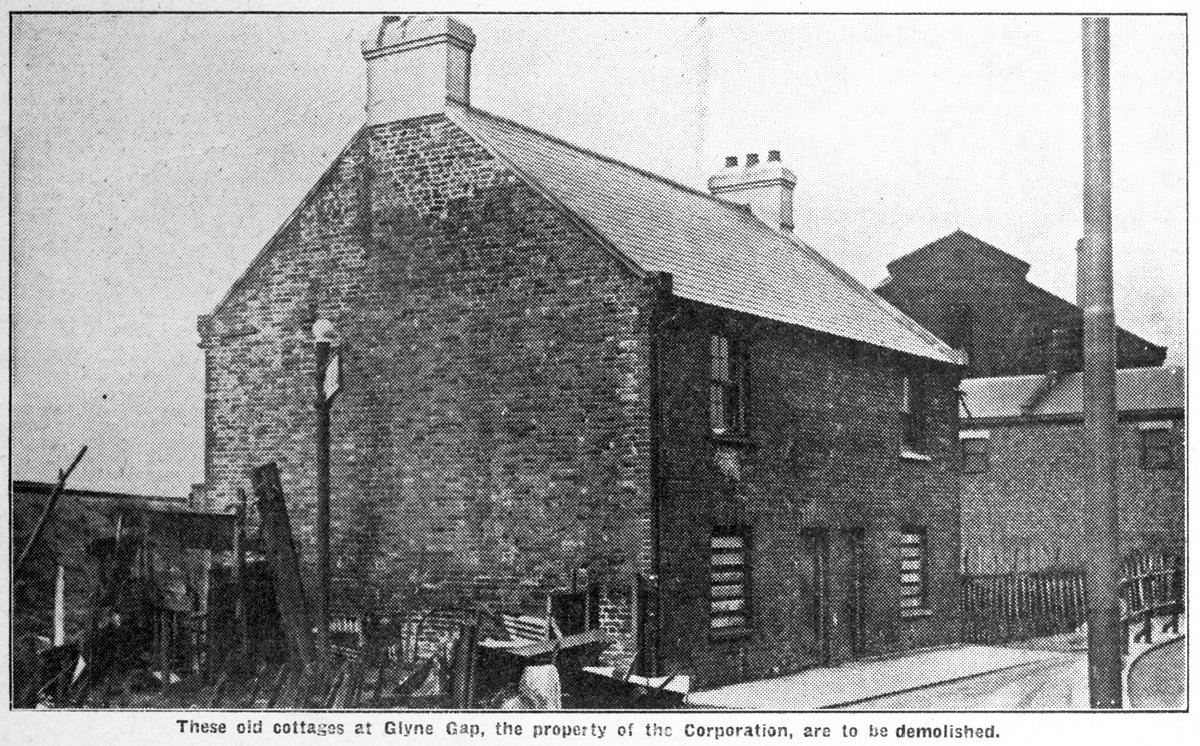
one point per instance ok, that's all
(155, 155)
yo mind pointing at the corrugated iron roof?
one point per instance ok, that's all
(1138, 390)
(716, 252)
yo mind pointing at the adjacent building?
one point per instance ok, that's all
(977, 298)
(556, 365)
(1024, 468)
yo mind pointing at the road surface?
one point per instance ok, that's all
(1058, 684)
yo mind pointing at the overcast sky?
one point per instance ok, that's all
(155, 155)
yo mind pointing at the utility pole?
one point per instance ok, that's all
(1095, 288)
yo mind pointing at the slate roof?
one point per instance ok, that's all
(716, 252)
(1138, 390)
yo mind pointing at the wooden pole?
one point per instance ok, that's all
(60, 606)
(323, 580)
(45, 517)
(239, 576)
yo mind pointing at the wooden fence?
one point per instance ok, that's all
(1006, 607)
(1153, 587)
(1018, 606)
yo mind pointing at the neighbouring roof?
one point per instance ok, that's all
(958, 241)
(82, 515)
(1138, 390)
(716, 252)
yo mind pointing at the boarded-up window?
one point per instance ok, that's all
(727, 385)
(729, 582)
(913, 552)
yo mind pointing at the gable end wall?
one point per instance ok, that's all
(491, 435)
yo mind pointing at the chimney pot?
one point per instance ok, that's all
(765, 190)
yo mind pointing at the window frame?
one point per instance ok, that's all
(728, 385)
(914, 410)
(975, 437)
(1167, 448)
(921, 534)
(742, 535)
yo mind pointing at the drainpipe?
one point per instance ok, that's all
(662, 283)
(1095, 283)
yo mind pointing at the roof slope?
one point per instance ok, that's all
(716, 252)
(1138, 390)
(958, 241)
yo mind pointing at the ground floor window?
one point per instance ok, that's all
(1157, 452)
(729, 567)
(913, 551)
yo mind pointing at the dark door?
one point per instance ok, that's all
(813, 590)
(845, 596)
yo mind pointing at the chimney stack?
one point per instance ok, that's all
(766, 188)
(416, 63)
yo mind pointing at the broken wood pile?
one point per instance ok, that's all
(171, 629)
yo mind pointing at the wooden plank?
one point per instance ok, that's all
(239, 576)
(44, 518)
(285, 563)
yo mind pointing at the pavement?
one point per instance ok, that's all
(854, 682)
(1058, 684)
(1156, 672)
(1158, 679)
(1042, 674)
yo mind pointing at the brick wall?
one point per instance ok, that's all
(822, 458)
(1031, 500)
(492, 431)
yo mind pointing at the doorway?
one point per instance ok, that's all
(830, 567)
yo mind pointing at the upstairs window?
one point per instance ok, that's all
(1157, 450)
(727, 385)
(913, 552)
(729, 594)
(960, 329)
(912, 411)
(976, 446)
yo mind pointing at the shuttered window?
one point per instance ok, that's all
(913, 552)
(729, 595)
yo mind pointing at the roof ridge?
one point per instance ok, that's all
(971, 236)
(598, 156)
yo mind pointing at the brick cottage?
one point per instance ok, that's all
(555, 363)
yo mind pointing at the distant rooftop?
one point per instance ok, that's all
(1139, 390)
